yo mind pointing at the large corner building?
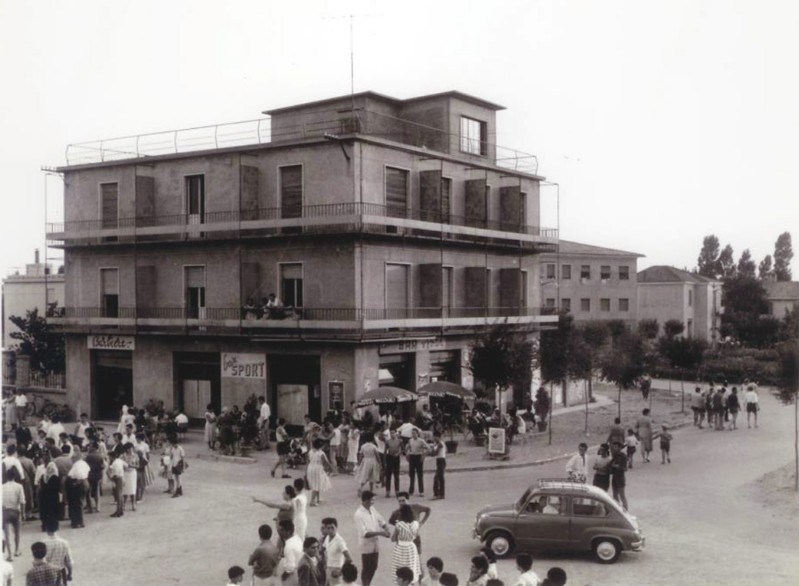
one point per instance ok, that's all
(392, 231)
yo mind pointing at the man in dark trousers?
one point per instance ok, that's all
(421, 513)
(618, 469)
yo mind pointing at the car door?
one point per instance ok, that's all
(543, 523)
(590, 516)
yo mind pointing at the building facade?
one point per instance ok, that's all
(36, 288)
(666, 293)
(591, 282)
(782, 297)
(391, 232)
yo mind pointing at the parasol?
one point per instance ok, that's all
(383, 395)
(446, 389)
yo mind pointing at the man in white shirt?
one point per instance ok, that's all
(76, 487)
(292, 553)
(335, 446)
(55, 430)
(21, 404)
(524, 563)
(370, 526)
(578, 466)
(264, 414)
(335, 551)
(752, 404)
(116, 473)
(11, 461)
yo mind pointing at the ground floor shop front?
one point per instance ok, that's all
(105, 372)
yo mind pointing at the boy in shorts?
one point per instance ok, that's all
(665, 445)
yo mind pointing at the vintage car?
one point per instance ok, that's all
(560, 515)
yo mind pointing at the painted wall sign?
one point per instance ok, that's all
(111, 342)
(411, 346)
(237, 365)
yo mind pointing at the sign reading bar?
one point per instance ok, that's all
(111, 342)
(243, 365)
(411, 346)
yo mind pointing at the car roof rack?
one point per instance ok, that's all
(562, 483)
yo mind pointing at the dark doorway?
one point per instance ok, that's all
(295, 387)
(113, 383)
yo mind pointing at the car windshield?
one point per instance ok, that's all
(523, 500)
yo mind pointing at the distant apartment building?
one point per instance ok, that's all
(782, 297)
(591, 282)
(666, 293)
(35, 288)
(391, 232)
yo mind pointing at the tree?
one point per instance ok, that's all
(502, 357)
(44, 347)
(587, 343)
(624, 363)
(726, 263)
(789, 391)
(745, 306)
(783, 253)
(684, 354)
(648, 328)
(746, 266)
(673, 328)
(764, 270)
(556, 351)
(708, 261)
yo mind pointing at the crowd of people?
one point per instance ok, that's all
(720, 409)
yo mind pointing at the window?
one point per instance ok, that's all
(195, 292)
(566, 304)
(109, 208)
(585, 507)
(446, 194)
(396, 192)
(604, 272)
(291, 284)
(624, 304)
(585, 272)
(397, 290)
(109, 283)
(566, 272)
(548, 505)
(624, 273)
(550, 302)
(195, 199)
(291, 191)
(690, 298)
(604, 304)
(446, 290)
(585, 304)
(550, 271)
(473, 136)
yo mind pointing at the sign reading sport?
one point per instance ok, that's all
(243, 365)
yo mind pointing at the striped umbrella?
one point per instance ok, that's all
(383, 395)
(441, 388)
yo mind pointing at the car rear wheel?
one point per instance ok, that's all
(606, 551)
(500, 543)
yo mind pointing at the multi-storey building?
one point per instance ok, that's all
(782, 297)
(666, 293)
(392, 231)
(593, 283)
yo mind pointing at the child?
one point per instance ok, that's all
(631, 441)
(435, 566)
(404, 576)
(665, 445)
(235, 575)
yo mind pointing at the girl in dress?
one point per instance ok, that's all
(368, 469)
(131, 472)
(300, 503)
(405, 553)
(318, 463)
(210, 426)
(177, 459)
(353, 444)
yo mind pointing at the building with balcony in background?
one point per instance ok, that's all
(391, 231)
(666, 293)
(591, 282)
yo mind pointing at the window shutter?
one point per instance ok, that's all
(110, 203)
(291, 271)
(476, 208)
(109, 281)
(510, 207)
(396, 286)
(396, 192)
(291, 191)
(195, 277)
(430, 194)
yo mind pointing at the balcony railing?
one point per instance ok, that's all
(323, 218)
(260, 131)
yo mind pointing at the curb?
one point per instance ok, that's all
(231, 459)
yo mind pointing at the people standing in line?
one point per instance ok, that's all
(209, 430)
(370, 526)
(527, 577)
(264, 559)
(13, 508)
(41, 572)
(578, 465)
(439, 451)
(300, 504)
(618, 471)
(309, 570)
(616, 432)
(368, 469)
(335, 551)
(416, 450)
(752, 405)
(665, 445)
(602, 468)
(698, 407)
(283, 448)
(177, 457)
(405, 554)
(58, 552)
(421, 513)
(392, 467)
(734, 407)
(292, 553)
(631, 444)
(76, 488)
(316, 472)
(643, 429)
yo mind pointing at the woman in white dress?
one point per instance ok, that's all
(300, 504)
(316, 472)
(130, 476)
(209, 434)
(369, 468)
(405, 553)
(353, 443)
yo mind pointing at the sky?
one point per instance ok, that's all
(660, 121)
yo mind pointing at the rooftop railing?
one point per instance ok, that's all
(261, 131)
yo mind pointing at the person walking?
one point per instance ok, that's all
(353, 448)
(665, 445)
(643, 428)
(578, 465)
(96, 466)
(618, 471)
(283, 447)
(58, 552)
(392, 468)
(334, 551)
(439, 451)
(698, 407)
(130, 476)
(177, 458)
(41, 572)
(13, 509)
(316, 472)
(370, 526)
(718, 410)
(733, 406)
(616, 433)
(421, 513)
(416, 449)
(631, 444)
(405, 553)
(369, 469)
(300, 504)
(209, 430)
(752, 405)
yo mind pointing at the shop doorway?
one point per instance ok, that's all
(113, 383)
(295, 388)
(402, 368)
(197, 382)
(445, 365)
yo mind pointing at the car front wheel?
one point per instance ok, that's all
(606, 551)
(500, 543)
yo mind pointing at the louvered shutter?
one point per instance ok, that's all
(110, 203)
(396, 192)
(291, 191)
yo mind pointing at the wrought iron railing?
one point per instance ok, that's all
(48, 380)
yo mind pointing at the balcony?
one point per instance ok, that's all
(291, 321)
(341, 218)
